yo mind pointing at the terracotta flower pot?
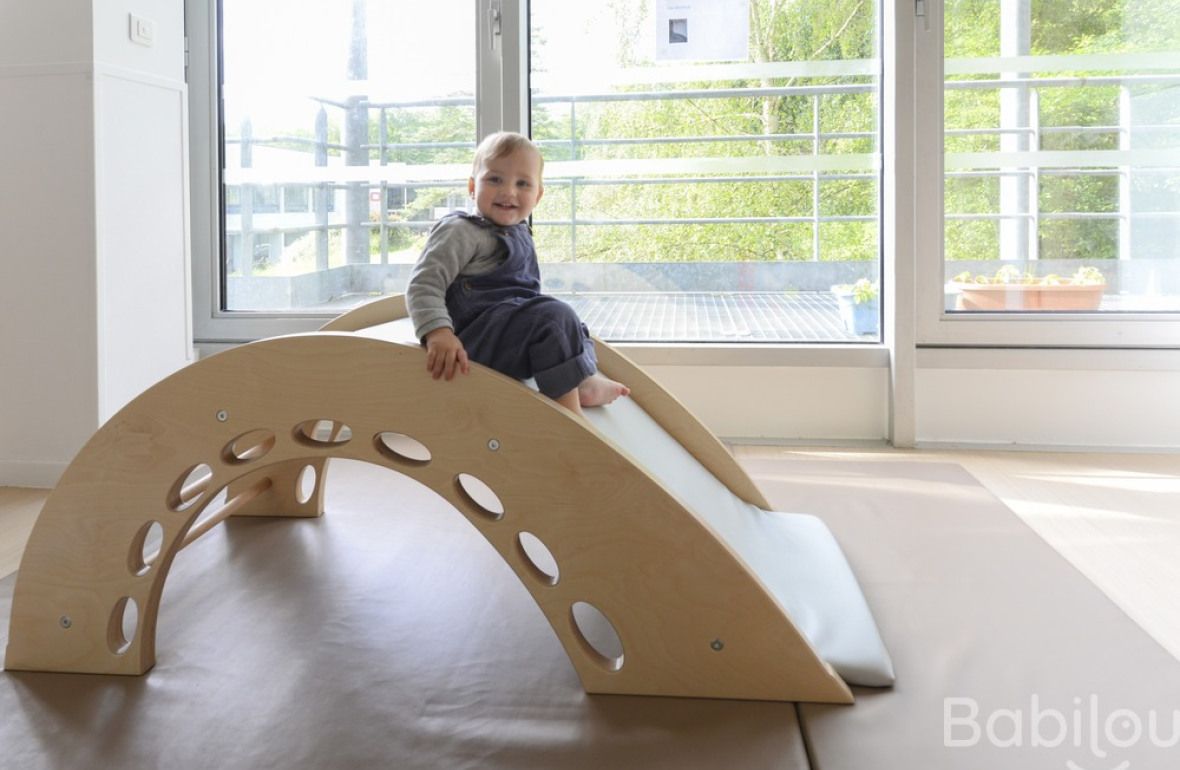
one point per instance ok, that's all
(1028, 296)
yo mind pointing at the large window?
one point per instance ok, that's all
(350, 123)
(710, 177)
(1061, 138)
(1062, 130)
(713, 166)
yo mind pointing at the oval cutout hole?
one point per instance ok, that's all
(145, 547)
(189, 488)
(249, 446)
(399, 446)
(305, 484)
(123, 624)
(597, 635)
(538, 557)
(323, 432)
(480, 495)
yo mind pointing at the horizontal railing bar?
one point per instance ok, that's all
(598, 181)
(705, 93)
(1097, 81)
(715, 93)
(798, 137)
(426, 224)
(708, 221)
(1040, 215)
(232, 505)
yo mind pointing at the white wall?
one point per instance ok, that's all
(979, 398)
(48, 354)
(783, 403)
(1085, 399)
(113, 48)
(93, 222)
(45, 33)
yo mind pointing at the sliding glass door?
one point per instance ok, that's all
(713, 167)
(1061, 176)
(347, 127)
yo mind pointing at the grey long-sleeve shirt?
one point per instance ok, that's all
(455, 247)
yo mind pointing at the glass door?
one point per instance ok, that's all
(712, 167)
(347, 130)
(1061, 173)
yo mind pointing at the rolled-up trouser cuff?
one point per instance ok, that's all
(561, 379)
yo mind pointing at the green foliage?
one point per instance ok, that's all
(863, 291)
(648, 214)
(780, 31)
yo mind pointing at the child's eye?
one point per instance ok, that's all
(523, 183)
(492, 179)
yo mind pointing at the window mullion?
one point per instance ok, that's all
(502, 66)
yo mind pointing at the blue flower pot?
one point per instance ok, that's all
(859, 319)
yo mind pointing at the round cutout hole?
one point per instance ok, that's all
(538, 557)
(145, 547)
(597, 635)
(189, 488)
(399, 446)
(305, 484)
(123, 624)
(323, 432)
(249, 446)
(480, 495)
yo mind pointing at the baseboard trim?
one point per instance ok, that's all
(42, 475)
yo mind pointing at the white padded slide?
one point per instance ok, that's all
(793, 554)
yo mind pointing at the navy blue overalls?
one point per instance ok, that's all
(505, 322)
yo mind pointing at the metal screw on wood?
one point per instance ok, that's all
(65, 621)
(493, 445)
(222, 415)
(717, 645)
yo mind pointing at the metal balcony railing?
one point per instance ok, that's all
(1025, 165)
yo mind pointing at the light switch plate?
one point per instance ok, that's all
(141, 30)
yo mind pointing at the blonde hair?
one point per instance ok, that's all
(503, 143)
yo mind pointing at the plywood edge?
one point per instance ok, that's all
(378, 311)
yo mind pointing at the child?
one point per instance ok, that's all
(475, 293)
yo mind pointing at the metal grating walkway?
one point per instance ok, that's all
(713, 317)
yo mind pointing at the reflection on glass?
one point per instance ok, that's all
(709, 179)
(1062, 141)
(348, 128)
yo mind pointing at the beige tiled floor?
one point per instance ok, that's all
(1114, 516)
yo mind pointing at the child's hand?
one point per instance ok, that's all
(445, 354)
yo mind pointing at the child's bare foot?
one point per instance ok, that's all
(599, 390)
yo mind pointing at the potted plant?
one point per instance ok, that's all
(1009, 289)
(859, 306)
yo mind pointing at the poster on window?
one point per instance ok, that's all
(702, 30)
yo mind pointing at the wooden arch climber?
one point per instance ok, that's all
(259, 420)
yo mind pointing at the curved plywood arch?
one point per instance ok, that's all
(667, 585)
(665, 408)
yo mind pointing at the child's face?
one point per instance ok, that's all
(507, 188)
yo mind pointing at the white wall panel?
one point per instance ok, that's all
(144, 316)
(783, 403)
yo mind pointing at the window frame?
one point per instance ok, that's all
(912, 212)
(502, 96)
(938, 328)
